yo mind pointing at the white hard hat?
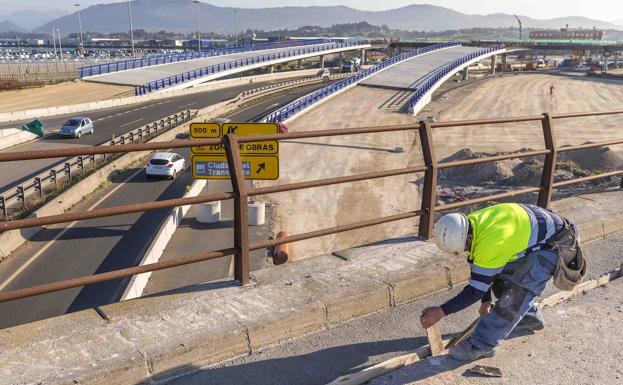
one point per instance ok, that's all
(450, 233)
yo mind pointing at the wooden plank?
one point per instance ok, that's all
(433, 334)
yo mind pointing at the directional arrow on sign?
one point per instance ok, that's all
(262, 166)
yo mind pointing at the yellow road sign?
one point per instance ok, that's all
(255, 167)
(244, 129)
(205, 130)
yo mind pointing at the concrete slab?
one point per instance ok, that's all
(140, 76)
(408, 74)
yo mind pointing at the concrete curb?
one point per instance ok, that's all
(17, 138)
(159, 243)
(75, 108)
(198, 326)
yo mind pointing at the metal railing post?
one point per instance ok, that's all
(3, 207)
(429, 195)
(68, 171)
(38, 187)
(549, 166)
(53, 177)
(21, 195)
(241, 220)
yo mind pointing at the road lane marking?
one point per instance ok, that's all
(69, 226)
(132, 122)
(189, 104)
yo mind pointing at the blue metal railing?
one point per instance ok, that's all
(194, 74)
(150, 60)
(307, 100)
(429, 82)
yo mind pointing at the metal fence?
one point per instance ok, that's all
(307, 100)
(67, 169)
(434, 77)
(194, 74)
(151, 60)
(241, 246)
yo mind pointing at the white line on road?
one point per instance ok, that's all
(189, 104)
(132, 122)
(51, 242)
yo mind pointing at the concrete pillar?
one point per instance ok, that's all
(616, 60)
(466, 73)
(363, 56)
(321, 61)
(299, 64)
(504, 63)
(341, 60)
(493, 63)
(272, 69)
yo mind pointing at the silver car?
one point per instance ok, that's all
(75, 127)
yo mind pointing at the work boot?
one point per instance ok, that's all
(530, 322)
(466, 351)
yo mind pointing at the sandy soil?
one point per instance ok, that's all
(60, 95)
(506, 96)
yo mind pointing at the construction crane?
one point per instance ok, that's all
(519, 21)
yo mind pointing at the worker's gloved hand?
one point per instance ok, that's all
(430, 316)
(485, 308)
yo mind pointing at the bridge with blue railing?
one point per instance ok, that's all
(191, 72)
(151, 60)
(419, 71)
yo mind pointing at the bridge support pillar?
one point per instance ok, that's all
(504, 63)
(341, 60)
(616, 61)
(465, 73)
(493, 64)
(363, 56)
(272, 69)
(299, 64)
(321, 61)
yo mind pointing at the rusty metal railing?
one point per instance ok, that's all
(240, 193)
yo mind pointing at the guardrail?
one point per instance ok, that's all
(150, 60)
(307, 100)
(194, 74)
(64, 172)
(429, 82)
(241, 247)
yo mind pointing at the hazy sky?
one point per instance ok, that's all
(608, 10)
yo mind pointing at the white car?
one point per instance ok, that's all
(165, 164)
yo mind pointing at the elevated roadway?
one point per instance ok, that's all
(221, 65)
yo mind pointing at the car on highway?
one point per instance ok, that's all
(75, 127)
(165, 165)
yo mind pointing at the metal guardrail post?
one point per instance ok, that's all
(241, 219)
(549, 166)
(53, 177)
(140, 135)
(131, 134)
(68, 170)
(429, 196)
(3, 207)
(20, 195)
(81, 164)
(38, 186)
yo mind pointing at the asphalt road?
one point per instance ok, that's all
(109, 122)
(99, 245)
(321, 357)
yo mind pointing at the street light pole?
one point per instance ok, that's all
(54, 42)
(60, 46)
(131, 29)
(77, 5)
(196, 2)
(236, 26)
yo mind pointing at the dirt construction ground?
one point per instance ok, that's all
(501, 96)
(60, 95)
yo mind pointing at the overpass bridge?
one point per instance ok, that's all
(183, 74)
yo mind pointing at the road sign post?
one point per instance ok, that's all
(259, 160)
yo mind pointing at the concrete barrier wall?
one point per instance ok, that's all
(13, 136)
(159, 243)
(209, 323)
(99, 105)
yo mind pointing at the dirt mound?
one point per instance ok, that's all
(477, 173)
(595, 159)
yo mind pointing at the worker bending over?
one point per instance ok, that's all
(513, 250)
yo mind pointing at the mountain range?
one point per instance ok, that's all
(179, 16)
(29, 20)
